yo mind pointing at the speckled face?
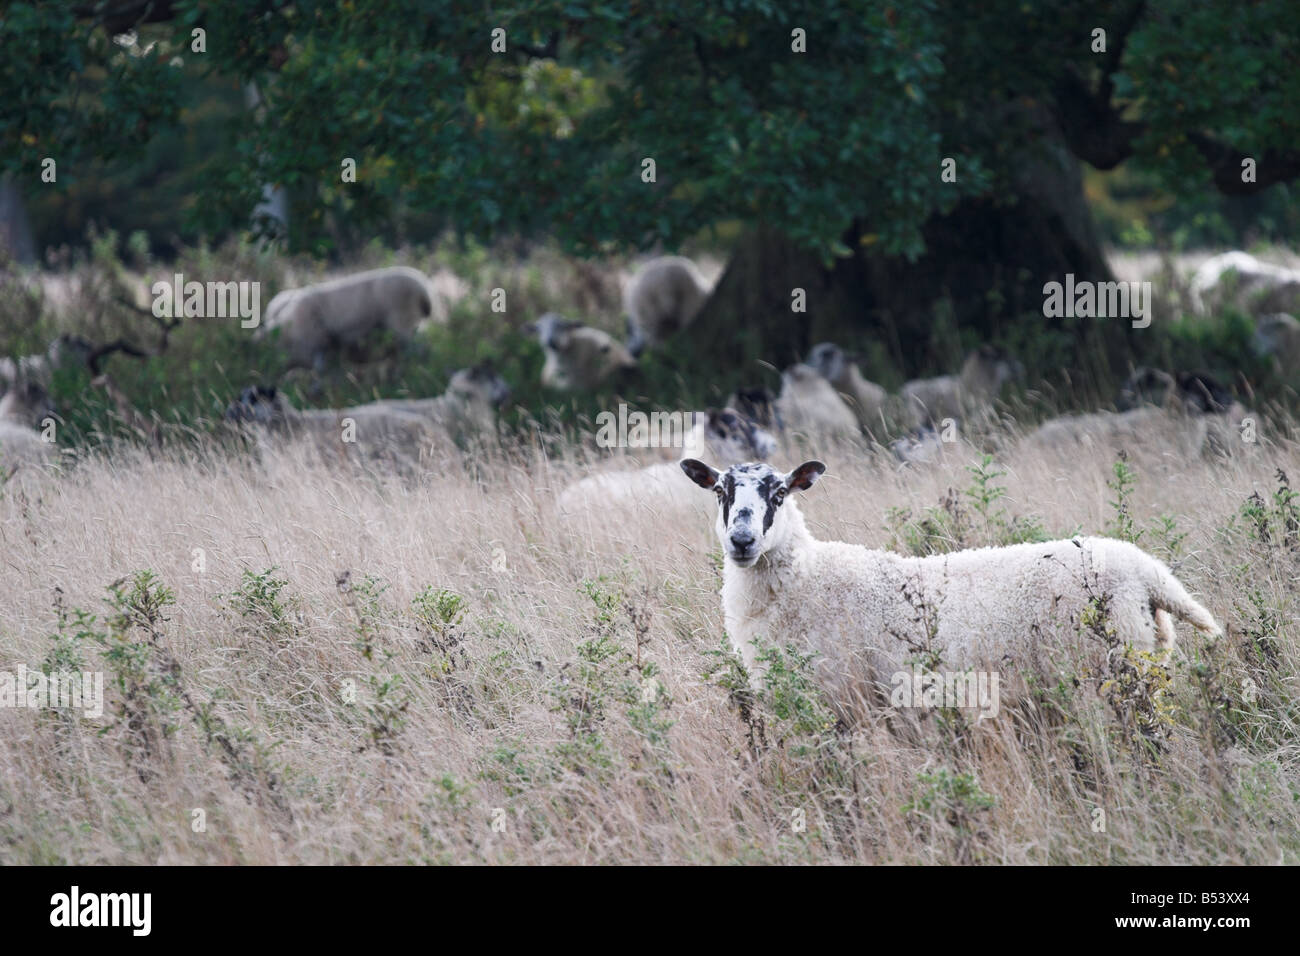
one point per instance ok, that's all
(255, 404)
(733, 438)
(828, 360)
(749, 502)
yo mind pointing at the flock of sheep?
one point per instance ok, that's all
(826, 397)
(775, 571)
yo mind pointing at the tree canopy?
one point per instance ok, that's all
(826, 121)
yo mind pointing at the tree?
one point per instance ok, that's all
(825, 128)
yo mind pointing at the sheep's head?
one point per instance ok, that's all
(750, 517)
(27, 402)
(480, 384)
(1274, 334)
(829, 360)
(992, 368)
(552, 330)
(1146, 386)
(731, 437)
(262, 405)
(1203, 395)
(636, 340)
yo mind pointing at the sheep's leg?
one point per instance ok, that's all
(1165, 634)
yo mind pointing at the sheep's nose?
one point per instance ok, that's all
(742, 540)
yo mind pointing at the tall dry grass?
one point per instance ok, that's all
(369, 669)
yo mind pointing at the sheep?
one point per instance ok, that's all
(809, 404)
(1192, 409)
(467, 408)
(376, 432)
(40, 368)
(723, 434)
(319, 319)
(922, 446)
(662, 297)
(578, 357)
(928, 401)
(24, 409)
(868, 400)
(870, 614)
(1258, 286)
(1277, 337)
(1193, 392)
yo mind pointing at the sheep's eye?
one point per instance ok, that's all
(779, 496)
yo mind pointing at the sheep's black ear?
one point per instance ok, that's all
(700, 473)
(803, 477)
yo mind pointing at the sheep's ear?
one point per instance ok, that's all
(803, 477)
(700, 473)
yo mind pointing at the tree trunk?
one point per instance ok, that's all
(272, 213)
(15, 228)
(980, 280)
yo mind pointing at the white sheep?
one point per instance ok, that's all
(868, 400)
(1191, 413)
(40, 368)
(578, 357)
(810, 405)
(663, 297)
(1277, 337)
(1241, 280)
(372, 432)
(24, 409)
(468, 408)
(722, 434)
(928, 401)
(319, 319)
(868, 614)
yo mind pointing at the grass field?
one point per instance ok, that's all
(310, 666)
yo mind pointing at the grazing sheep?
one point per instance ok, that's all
(1256, 286)
(366, 432)
(1277, 336)
(1146, 386)
(578, 357)
(928, 401)
(870, 614)
(722, 434)
(922, 446)
(24, 409)
(663, 297)
(40, 368)
(1145, 429)
(809, 404)
(868, 400)
(321, 319)
(468, 406)
(1193, 392)
(1191, 410)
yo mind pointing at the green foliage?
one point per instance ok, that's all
(952, 527)
(1122, 525)
(260, 602)
(1275, 522)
